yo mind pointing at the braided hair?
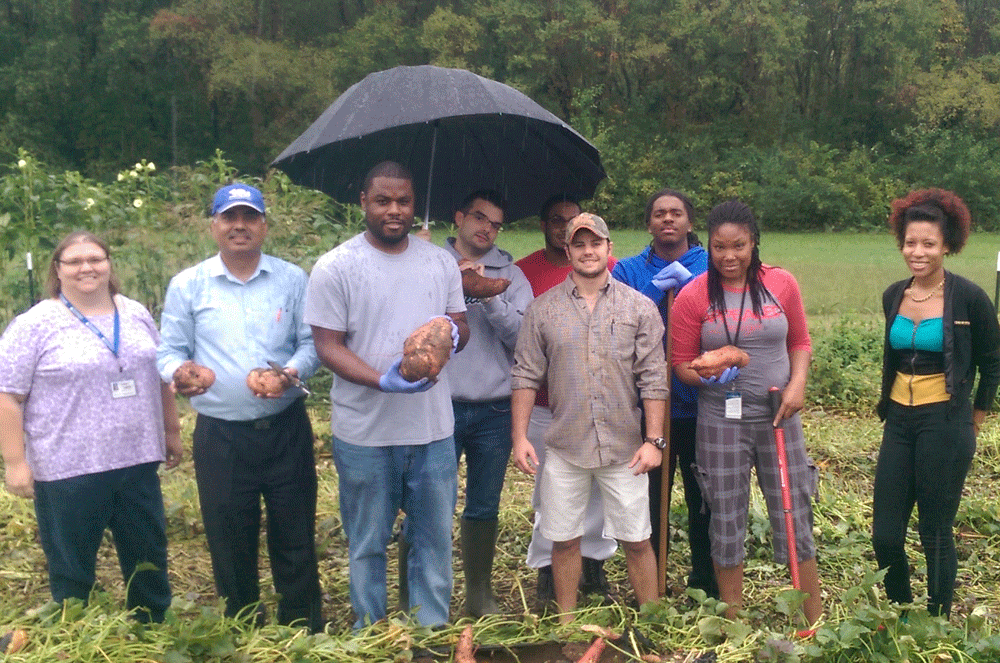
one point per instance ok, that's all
(739, 214)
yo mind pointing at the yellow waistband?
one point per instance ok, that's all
(919, 389)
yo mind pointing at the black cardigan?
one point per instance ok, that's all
(971, 340)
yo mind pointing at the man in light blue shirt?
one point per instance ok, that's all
(233, 313)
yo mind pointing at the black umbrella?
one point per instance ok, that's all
(456, 131)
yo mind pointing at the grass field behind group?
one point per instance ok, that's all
(842, 277)
(839, 273)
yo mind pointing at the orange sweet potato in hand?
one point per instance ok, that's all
(479, 286)
(714, 362)
(190, 375)
(427, 350)
(267, 382)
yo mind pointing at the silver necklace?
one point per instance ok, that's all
(928, 295)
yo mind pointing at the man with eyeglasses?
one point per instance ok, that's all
(480, 387)
(545, 269)
(232, 313)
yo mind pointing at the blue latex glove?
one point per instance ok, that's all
(727, 375)
(454, 331)
(394, 383)
(672, 276)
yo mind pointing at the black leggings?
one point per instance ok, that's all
(926, 453)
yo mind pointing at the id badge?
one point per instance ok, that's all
(122, 385)
(734, 405)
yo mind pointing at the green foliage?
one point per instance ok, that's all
(846, 369)
(154, 221)
(452, 40)
(803, 109)
(967, 163)
(793, 187)
(817, 187)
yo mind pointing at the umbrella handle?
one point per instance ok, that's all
(430, 177)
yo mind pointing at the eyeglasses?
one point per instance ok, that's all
(482, 218)
(76, 263)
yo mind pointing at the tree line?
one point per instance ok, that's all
(817, 112)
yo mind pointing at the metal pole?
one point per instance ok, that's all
(430, 177)
(666, 476)
(31, 282)
(996, 292)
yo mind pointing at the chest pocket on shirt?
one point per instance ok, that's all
(623, 339)
(278, 320)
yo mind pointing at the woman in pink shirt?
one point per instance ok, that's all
(758, 308)
(84, 424)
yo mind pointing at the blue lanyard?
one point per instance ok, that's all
(90, 325)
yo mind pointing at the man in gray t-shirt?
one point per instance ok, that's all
(393, 439)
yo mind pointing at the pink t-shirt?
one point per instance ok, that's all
(695, 328)
(73, 426)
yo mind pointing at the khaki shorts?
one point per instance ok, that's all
(566, 489)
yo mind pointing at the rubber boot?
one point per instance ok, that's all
(593, 579)
(479, 543)
(404, 576)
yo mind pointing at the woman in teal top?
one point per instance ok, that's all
(940, 329)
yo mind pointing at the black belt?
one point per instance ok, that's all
(264, 423)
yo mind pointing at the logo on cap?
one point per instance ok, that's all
(237, 194)
(591, 222)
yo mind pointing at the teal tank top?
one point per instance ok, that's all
(927, 336)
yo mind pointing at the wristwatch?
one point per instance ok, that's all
(657, 442)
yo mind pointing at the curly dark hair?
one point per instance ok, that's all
(938, 206)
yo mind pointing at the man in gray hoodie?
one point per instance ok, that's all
(480, 381)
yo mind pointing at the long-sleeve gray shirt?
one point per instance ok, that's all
(481, 371)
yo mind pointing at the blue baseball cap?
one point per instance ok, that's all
(237, 194)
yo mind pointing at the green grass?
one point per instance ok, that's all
(842, 273)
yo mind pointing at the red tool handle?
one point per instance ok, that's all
(786, 491)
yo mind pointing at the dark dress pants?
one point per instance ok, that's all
(236, 464)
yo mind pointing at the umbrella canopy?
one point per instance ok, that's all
(455, 131)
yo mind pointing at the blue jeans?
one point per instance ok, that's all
(482, 430)
(375, 483)
(72, 516)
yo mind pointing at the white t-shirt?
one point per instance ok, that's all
(379, 299)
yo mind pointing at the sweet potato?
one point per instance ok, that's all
(266, 382)
(481, 287)
(464, 650)
(191, 375)
(714, 362)
(13, 641)
(593, 653)
(427, 350)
